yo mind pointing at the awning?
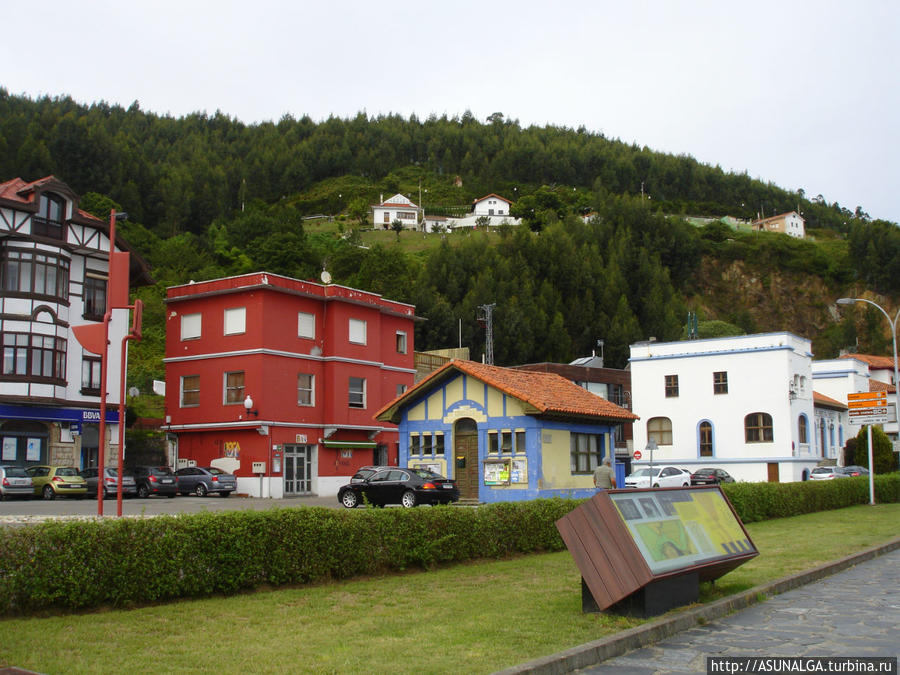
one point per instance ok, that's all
(349, 444)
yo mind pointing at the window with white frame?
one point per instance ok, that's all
(190, 391)
(401, 342)
(90, 375)
(586, 452)
(234, 387)
(306, 325)
(191, 326)
(358, 331)
(401, 389)
(235, 320)
(357, 392)
(306, 389)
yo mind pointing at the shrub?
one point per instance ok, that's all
(131, 561)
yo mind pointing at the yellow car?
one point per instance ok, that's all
(52, 481)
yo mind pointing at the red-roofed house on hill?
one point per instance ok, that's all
(505, 434)
(277, 379)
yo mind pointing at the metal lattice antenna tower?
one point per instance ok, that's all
(486, 315)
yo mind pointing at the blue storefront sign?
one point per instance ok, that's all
(77, 416)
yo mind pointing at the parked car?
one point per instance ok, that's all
(51, 482)
(201, 480)
(396, 485)
(110, 482)
(854, 470)
(14, 482)
(155, 480)
(826, 473)
(709, 475)
(662, 476)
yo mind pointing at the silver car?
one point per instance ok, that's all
(110, 482)
(14, 482)
(202, 480)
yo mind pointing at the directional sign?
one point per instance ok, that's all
(869, 407)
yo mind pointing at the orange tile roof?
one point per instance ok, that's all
(481, 199)
(547, 393)
(878, 385)
(872, 360)
(827, 401)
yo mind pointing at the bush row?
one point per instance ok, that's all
(124, 562)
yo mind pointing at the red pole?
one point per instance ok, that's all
(104, 368)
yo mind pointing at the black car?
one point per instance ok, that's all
(155, 480)
(396, 485)
(710, 476)
(201, 480)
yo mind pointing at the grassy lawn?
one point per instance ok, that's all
(472, 618)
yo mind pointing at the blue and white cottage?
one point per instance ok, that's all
(505, 434)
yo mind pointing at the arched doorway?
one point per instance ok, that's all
(465, 457)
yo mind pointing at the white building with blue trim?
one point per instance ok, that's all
(743, 404)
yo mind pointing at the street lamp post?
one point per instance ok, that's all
(893, 324)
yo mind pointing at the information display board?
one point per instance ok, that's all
(680, 528)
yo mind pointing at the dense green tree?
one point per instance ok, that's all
(882, 451)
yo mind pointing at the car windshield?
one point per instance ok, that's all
(161, 471)
(67, 471)
(822, 469)
(642, 473)
(15, 472)
(215, 472)
(426, 473)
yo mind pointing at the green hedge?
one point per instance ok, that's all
(763, 501)
(131, 561)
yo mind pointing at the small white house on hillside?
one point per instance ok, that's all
(743, 404)
(399, 208)
(790, 223)
(491, 205)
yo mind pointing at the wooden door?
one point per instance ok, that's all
(773, 473)
(465, 463)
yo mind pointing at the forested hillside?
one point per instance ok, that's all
(210, 196)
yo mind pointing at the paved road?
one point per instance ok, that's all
(852, 613)
(37, 509)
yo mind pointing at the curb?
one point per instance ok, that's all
(592, 653)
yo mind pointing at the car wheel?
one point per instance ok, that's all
(143, 491)
(408, 500)
(656, 485)
(349, 499)
(48, 492)
(685, 485)
(200, 490)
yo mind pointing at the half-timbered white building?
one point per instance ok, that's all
(53, 277)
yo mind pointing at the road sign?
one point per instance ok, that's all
(637, 454)
(868, 407)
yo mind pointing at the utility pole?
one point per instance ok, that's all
(486, 317)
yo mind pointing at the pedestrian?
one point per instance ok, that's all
(604, 476)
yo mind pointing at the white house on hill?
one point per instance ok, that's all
(399, 208)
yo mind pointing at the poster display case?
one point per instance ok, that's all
(649, 549)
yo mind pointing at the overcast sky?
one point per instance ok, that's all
(801, 93)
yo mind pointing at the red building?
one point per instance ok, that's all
(278, 379)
